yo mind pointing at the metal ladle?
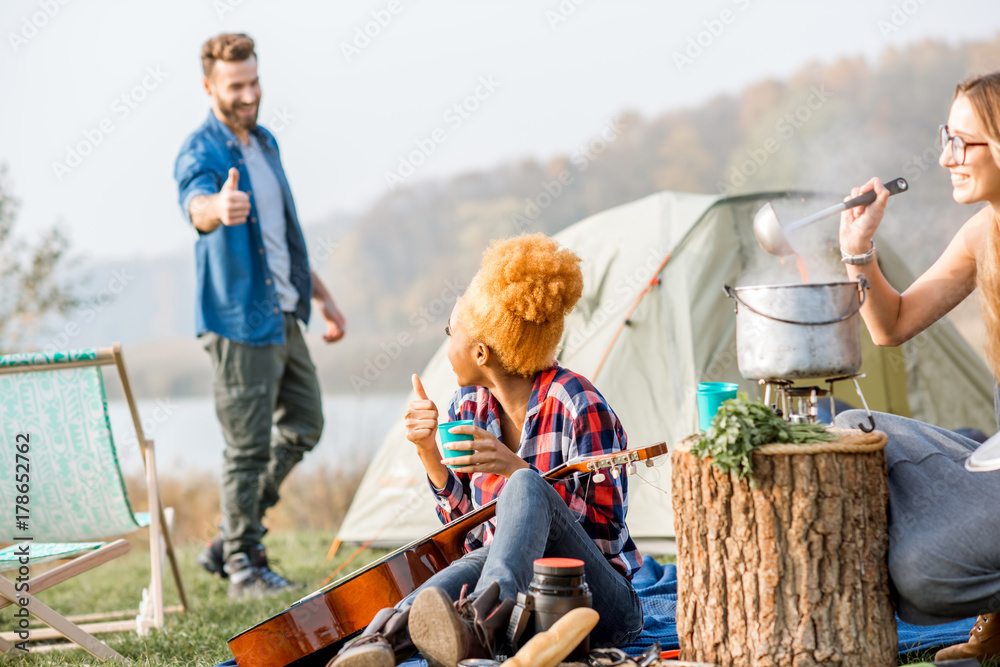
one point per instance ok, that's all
(772, 236)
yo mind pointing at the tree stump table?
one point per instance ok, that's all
(792, 572)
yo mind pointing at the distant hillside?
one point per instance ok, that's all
(829, 127)
(397, 269)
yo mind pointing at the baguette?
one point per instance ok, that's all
(547, 649)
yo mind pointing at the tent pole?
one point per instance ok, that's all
(655, 280)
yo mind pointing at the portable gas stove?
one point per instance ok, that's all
(800, 404)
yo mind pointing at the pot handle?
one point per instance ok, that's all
(862, 286)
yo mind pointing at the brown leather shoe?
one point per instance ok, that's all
(384, 643)
(984, 641)
(446, 632)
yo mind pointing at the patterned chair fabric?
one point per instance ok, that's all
(77, 491)
(10, 557)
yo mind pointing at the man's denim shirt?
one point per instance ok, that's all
(235, 293)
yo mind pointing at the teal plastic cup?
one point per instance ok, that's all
(710, 397)
(447, 437)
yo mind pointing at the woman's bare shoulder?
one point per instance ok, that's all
(973, 232)
(978, 223)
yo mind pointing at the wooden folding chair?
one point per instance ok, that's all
(55, 433)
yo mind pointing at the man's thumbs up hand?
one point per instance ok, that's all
(233, 182)
(232, 204)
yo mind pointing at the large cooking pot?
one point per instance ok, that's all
(806, 330)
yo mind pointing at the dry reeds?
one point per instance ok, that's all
(313, 497)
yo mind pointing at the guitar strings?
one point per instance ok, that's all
(652, 484)
(575, 478)
(656, 467)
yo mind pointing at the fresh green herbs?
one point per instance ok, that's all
(741, 426)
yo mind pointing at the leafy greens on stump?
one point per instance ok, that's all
(740, 426)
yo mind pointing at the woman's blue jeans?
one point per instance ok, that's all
(944, 549)
(532, 522)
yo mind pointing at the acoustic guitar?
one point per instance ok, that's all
(313, 630)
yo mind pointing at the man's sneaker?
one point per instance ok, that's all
(211, 559)
(249, 575)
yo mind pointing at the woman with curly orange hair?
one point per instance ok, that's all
(529, 416)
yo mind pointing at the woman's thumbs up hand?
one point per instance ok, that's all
(421, 419)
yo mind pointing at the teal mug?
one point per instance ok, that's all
(447, 437)
(710, 396)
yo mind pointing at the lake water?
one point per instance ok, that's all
(188, 436)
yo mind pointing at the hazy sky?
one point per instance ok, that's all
(109, 89)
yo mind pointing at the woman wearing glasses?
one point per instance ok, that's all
(944, 539)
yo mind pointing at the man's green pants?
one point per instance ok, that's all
(268, 402)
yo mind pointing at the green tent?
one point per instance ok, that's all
(680, 331)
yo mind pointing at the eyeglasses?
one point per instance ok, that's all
(958, 144)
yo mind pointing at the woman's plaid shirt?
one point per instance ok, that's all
(566, 418)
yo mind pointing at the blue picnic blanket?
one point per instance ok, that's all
(657, 588)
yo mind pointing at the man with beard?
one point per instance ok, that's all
(254, 287)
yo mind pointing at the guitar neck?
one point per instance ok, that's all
(450, 537)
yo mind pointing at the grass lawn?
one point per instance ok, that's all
(197, 637)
